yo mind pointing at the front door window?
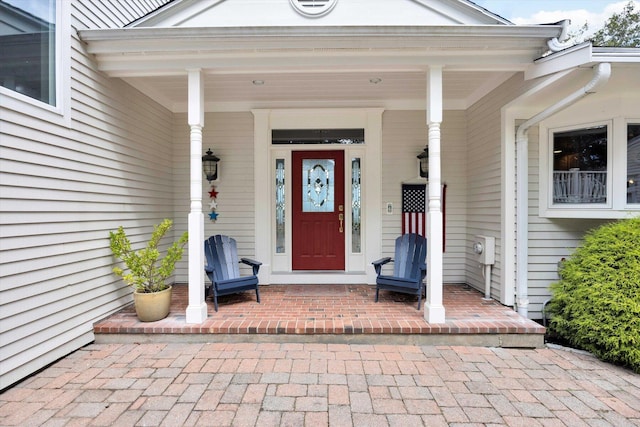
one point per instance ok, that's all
(318, 186)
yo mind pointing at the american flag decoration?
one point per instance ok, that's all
(414, 218)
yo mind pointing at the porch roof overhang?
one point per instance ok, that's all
(156, 60)
(141, 51)
(582, 55)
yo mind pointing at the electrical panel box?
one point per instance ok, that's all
(484, 247)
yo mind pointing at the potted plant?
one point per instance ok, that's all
(146, 273)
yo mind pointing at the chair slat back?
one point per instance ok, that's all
(222, 254)
(410, 254)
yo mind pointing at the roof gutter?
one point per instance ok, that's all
(556, 44)
(601, 74)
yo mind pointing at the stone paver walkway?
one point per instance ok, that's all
(286, 384)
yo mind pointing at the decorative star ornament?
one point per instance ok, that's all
(213, 216)
(213, 193)
(213, 204)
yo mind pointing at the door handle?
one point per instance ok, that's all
(341, 219)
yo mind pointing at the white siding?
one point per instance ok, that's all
(63, 185)
(484, 179)
(230, 137)
(404, 135)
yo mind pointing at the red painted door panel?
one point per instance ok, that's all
(318, 210)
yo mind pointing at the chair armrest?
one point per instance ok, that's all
(382, 261)
(253, 263)
(208, 269)
(379, 263)
(423, 270)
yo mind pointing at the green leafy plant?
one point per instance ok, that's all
(596, 304)
(621, 30)
(146, 272)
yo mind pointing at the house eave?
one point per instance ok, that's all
(581, 55)
(134, 51)
(346, 34)
(616, 54)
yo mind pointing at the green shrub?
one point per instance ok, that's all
(147, 271)
(596, 304)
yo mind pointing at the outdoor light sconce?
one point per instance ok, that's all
(424, 162)
(210, 165)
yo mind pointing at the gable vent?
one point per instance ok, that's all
(313, 8)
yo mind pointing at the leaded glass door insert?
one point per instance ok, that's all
(319, 179)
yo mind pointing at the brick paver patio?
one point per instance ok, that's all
(294, 384)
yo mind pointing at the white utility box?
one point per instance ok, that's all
(485, 249)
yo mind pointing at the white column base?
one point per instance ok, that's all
(197, 308)
(196, 314)
(434, 313)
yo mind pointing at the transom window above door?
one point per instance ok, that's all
(317, 136)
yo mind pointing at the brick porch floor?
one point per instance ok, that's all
(332, 313)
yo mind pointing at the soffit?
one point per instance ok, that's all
(395, 90)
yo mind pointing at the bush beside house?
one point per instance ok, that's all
(596, 304)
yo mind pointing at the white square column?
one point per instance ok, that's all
(197, 308)
(433, 308)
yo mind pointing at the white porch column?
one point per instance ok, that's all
(197, 308)
(433, 308)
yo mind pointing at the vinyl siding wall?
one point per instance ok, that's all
(404, 135)
(485, 180)
(64, 184)
(230, 137)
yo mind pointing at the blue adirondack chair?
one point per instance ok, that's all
(223, 271)
(409, 268)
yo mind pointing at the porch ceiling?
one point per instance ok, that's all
(317, 67)
(395, 89)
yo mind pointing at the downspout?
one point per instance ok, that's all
(557, 44)
(601, 75)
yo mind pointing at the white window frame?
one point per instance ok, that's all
(60, 112)
(616, 205)
(627, 122)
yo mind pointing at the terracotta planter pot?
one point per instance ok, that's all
(152, 306)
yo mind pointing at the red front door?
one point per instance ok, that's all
(318, 210)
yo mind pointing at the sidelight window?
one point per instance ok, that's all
(356, 205)
(280, 207)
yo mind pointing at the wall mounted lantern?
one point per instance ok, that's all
(424, 162)
(210, 165)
